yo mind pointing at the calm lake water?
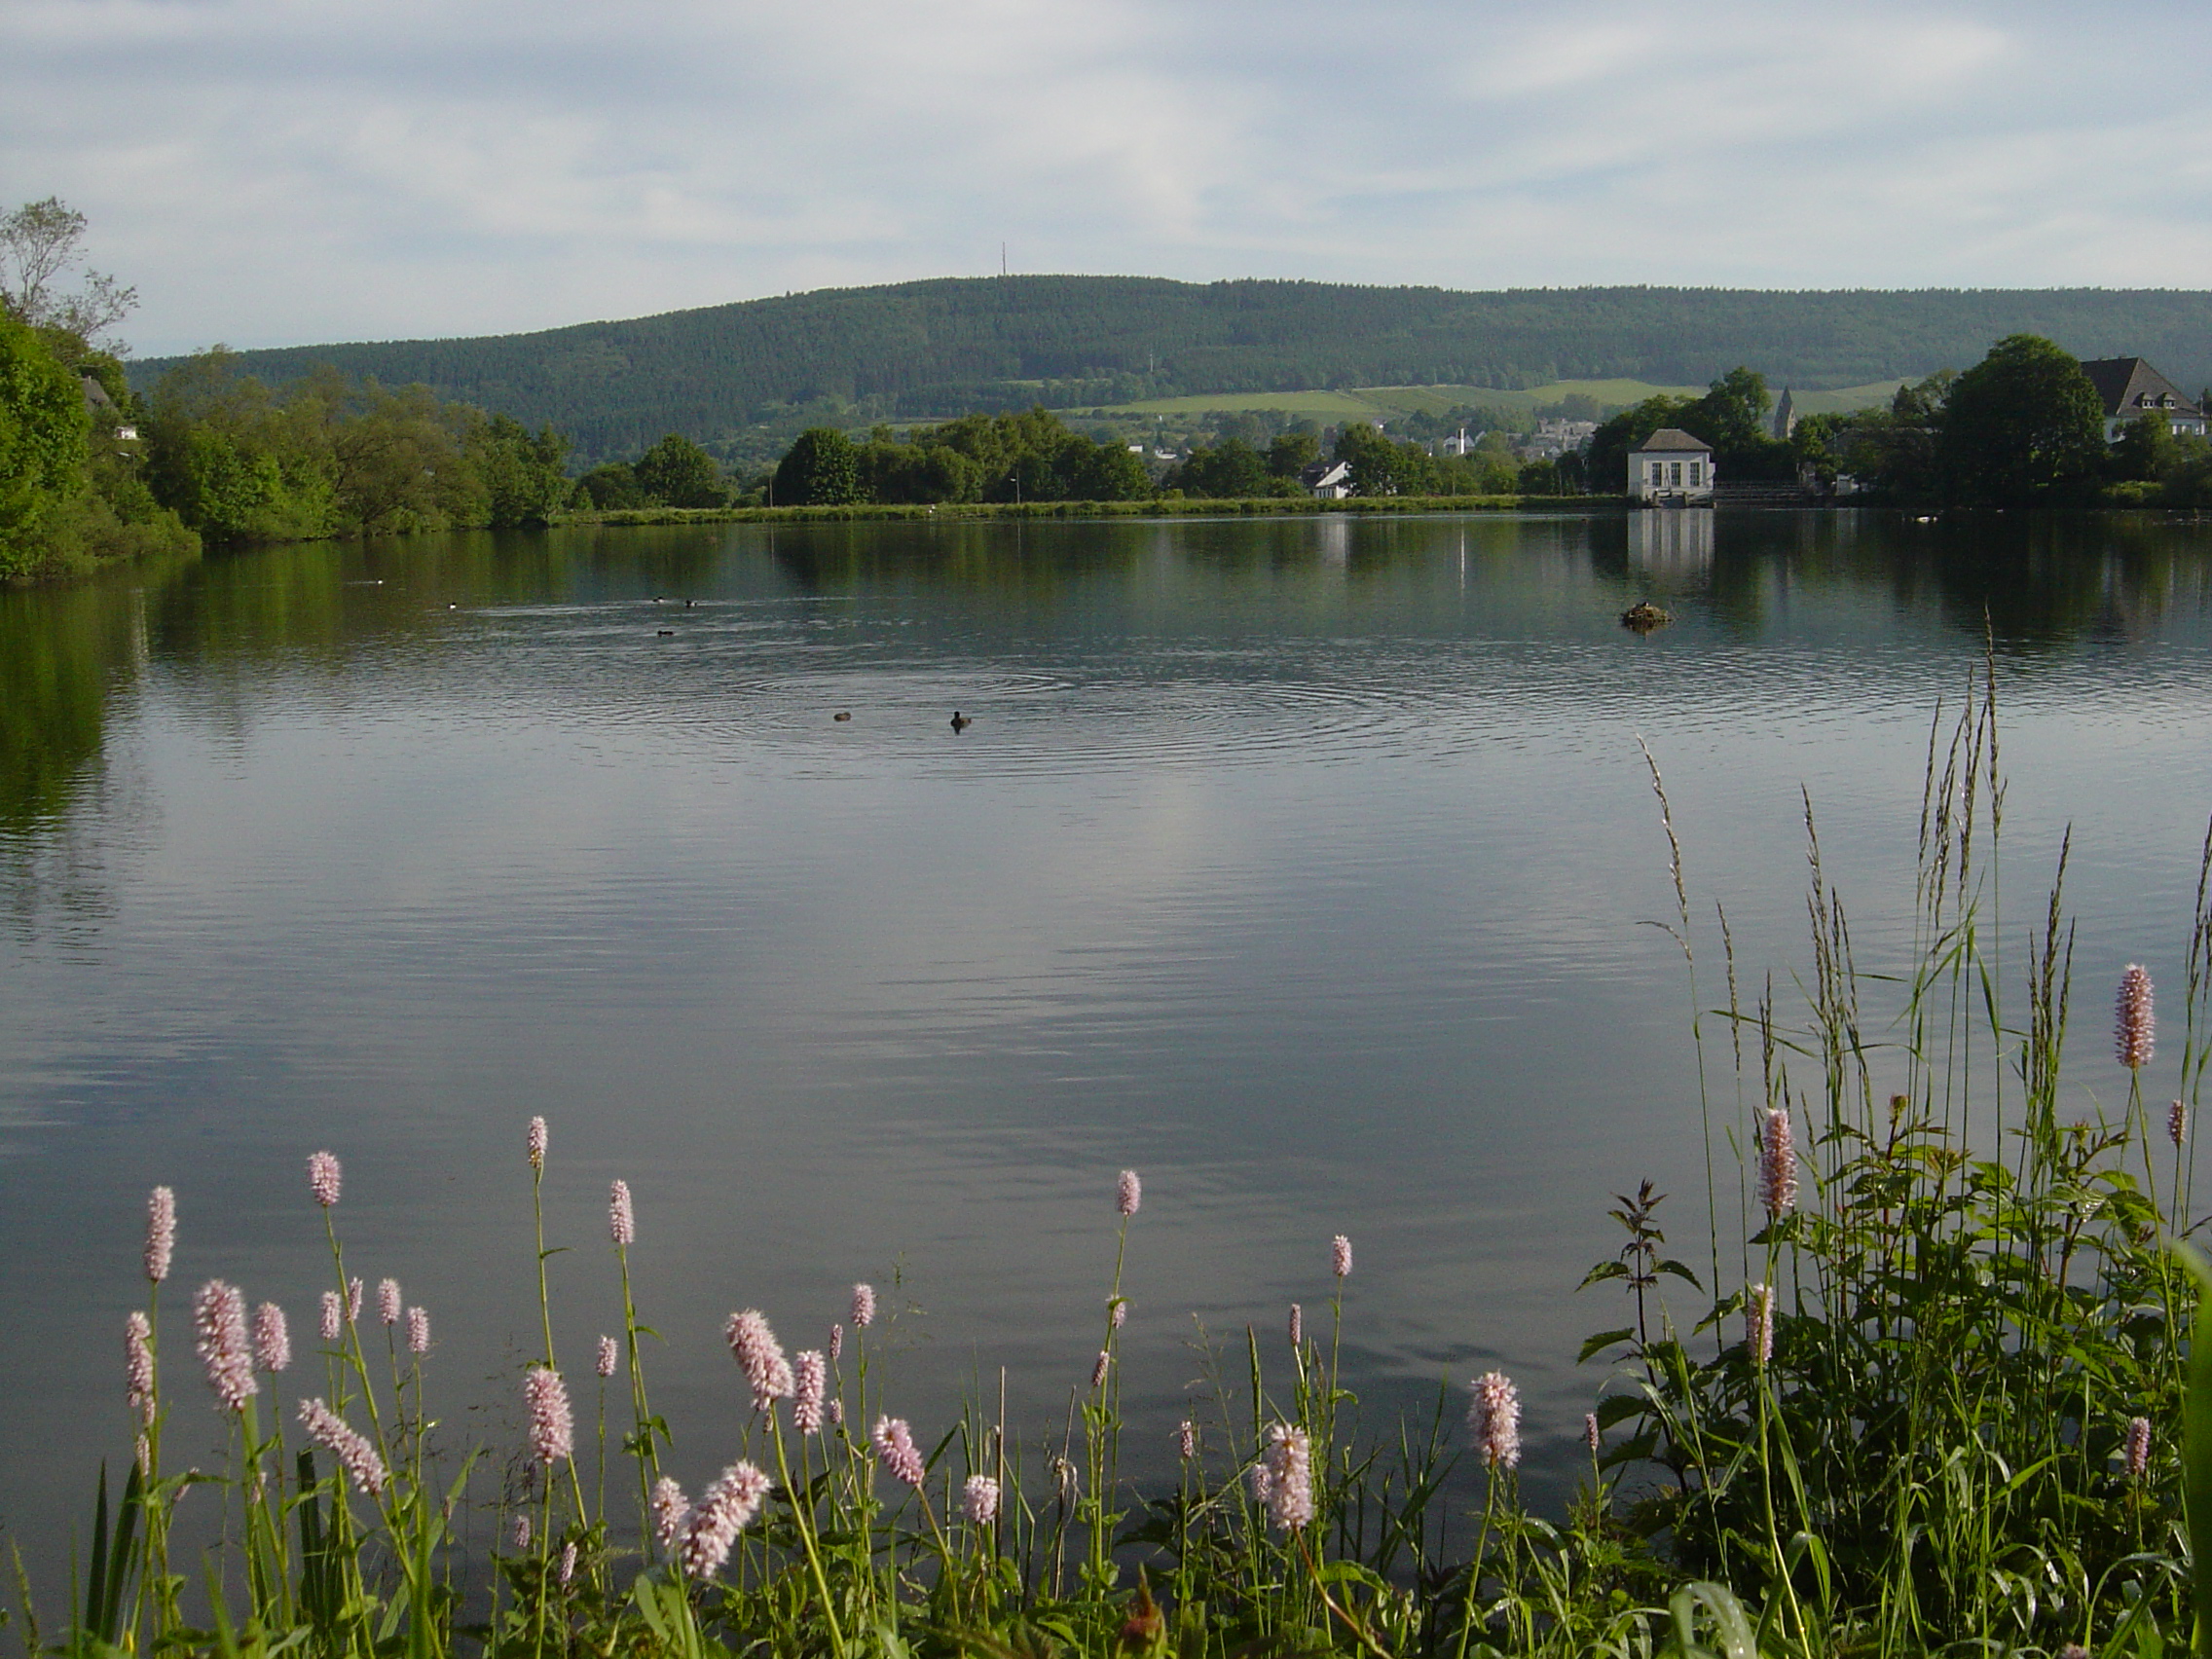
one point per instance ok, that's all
(1300, 865)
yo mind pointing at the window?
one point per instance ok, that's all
(1677, 473)
(1658, 474)
(1697, 473)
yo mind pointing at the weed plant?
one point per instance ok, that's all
(1926, 1395)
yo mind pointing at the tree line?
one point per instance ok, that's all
(2024, 426)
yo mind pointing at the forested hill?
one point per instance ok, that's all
(954, 345)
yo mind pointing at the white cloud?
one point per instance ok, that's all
(301, 170)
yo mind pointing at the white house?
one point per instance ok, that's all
(2130, 388)
(1670, 467)
(1327, 480)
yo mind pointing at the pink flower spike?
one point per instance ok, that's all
(1186, 1440)
(1297, 1325)
(272, 1337)
(1590, 1432)
(353, 1289)
(1099, 1368)
(552, 1427)
(333, 1315)
(2133, 1026)
(161, 1232)
(139, 1366)
(1340, 1256)
(811, 1373)
(754, 1346)
(864, 1306)
(621, 1219)
(724, 1510)
(219, 1317)
(1290, 1477)
(1128, 1194)
(1778, 1164)
(418, 1331)
(2138, 1448)
(670, 1510)
(2177, 1123)
(360, 1459)
(610, 1356)
(323, 1175)
(388, 1301)
(836, 1342)
(537, 1146)
(836, 1412)
(980, 1500)
(1758, 1318)
(896, 1451)
(568, 1565)
(521, 1531)
(1496, 1418)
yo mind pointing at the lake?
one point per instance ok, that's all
(1303, 865)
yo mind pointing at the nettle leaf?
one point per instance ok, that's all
(1602, 1340)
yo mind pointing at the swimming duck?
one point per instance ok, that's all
(960, 722)
(842, 715)
(1642, 616)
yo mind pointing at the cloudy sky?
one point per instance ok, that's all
(285, 171)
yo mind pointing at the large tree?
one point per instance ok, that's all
(821, 469)
(679, 473)
(2023, 425)
(42, 444)
(40, 244)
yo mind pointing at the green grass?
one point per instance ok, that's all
(1387, 402)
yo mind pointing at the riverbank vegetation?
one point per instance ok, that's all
(1919, 1387)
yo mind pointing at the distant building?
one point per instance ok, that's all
(1460, 444)
(2131, 388)
(101, 408)
(1784, 417)
(1670, 467)
(1327, 480)
(1555, 438)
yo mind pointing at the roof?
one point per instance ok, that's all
(1323, 472)
(95, 394)
(2128, 385)
(1672, 439)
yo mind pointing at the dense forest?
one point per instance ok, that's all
(765, 369)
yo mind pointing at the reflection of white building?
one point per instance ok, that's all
(1670, 467)
(1332, 540)
(1670, 543)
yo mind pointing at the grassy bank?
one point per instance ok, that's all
(1917, 1387)
(1272, 506)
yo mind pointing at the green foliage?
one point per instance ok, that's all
(1029, 457)
(821, 471)
(42, 446)
(524, 475)
(323, 457)
(2023, 425)
(1236, 472)
(676, 472)
(935, 349)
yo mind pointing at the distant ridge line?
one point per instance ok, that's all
(944, 346)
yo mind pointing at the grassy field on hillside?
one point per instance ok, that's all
(1385, 403)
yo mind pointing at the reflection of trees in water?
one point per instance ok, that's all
(2039, 579)
(63, 654)
(60, 650)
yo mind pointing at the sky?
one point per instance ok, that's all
(278, 172)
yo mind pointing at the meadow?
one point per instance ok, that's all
(1920, 1385)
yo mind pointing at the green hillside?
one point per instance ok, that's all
(1383, 402)
(923, 350)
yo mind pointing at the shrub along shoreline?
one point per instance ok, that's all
(1167, 506)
